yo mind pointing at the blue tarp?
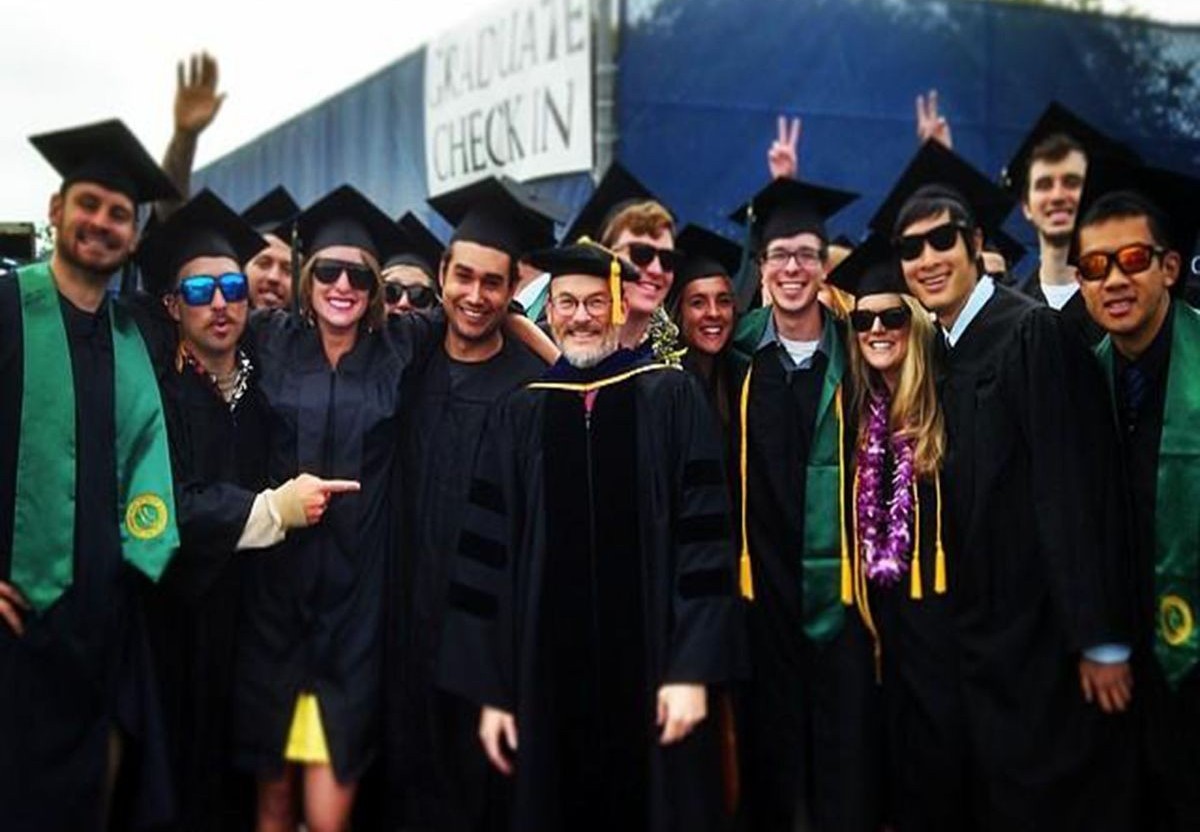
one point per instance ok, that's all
(700, 83)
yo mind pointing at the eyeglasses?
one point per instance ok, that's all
(1134, 258)
(942, 238)
(419, 295)
(806, 258)
(361, 277)
(199, 289)
(643, 254)
(595, 306)
(894, 317)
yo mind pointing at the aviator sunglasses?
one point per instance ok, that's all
(1134, 258)
(941, 238)
(419, 295)
(894, 317)
(328, 271)
(198, 290)
(643, 254)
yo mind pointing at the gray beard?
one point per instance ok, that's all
(583, 359)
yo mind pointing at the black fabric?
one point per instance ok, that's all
(1074, 313)
(82, 666)
(314, 605)
(644, 432)
(1034, 519)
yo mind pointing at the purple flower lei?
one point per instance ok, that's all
(885, 534)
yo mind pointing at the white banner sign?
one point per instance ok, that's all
(510, 92)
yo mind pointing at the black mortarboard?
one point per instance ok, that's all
(1054, 120)
(587, 258)
(872, 268)
(842, 241)
(498, 213)
(273, 213)
(203, 227)
(344, 217)
(18, 241)
(705, 254)
(1173, 194)
(616, 191)
(787, 207)
(109, 155)
(938, 171)
(423, 249)
(1010, 248)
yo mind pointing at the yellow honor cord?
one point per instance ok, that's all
(915, 590)
(745, 578)
(614, 288)
(939, 569)
(847, 578)
(862, 598)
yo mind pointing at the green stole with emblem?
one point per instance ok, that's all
(1176, 532)
(44, 513)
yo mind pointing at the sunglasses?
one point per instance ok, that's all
(942, 238)
(361, 277)
(895, 317)
(198, 290)
(643, 254)
(419, 295)
(1134, 258)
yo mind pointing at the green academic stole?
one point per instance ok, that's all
(827, 579)
(44, 512)
(1176, 532)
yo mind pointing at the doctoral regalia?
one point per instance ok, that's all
(596, 565)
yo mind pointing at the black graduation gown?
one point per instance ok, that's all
(84, 665)
(1074, 312)
(594, 566)
(1036, 529)
(810, 728)
(1169, 719)
(438, 777)
(314, 604)
(219, 463)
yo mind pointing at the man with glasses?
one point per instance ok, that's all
(1133, 242)
(591, 602)
(1040, 590)
(409, 275)
(437, 778)
(807, 738)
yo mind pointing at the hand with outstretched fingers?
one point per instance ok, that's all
(196, 98)
(782, 158)
(930, 123)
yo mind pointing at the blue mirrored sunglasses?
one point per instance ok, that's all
(198, 290)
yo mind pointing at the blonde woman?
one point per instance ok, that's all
(901, 576)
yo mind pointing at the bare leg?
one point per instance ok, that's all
(327, 803)
(277, 801)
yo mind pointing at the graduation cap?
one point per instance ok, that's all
(591, 259)
(842, 241)
(871, 269)
(204, 227)
(1010, 248)
(423, 249)
(344, 217)
(499, 213)
(788, 207)
(109, 155)
(939, 172)
(705, 254)
(617, 190)
(18, 241)
(273, 213)
(1058, 120)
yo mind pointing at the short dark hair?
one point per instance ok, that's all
(1053, 148)
(931, 201)
(513, 264)
(1128, 205)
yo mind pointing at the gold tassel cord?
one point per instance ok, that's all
(745, 578)
(939, 569)
(915, 590)
(847, 579)
(861, 593)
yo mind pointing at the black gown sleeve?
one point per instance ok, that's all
(707, 638)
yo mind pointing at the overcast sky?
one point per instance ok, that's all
(68, 62)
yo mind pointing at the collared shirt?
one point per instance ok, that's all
(1057, 295)
(532, 291)
(770, 337)
(982, 293)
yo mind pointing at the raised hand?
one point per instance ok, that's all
(930, 123)
(782, 160)
(196, 98)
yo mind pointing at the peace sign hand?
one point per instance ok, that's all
(782, 159)
(930, 124)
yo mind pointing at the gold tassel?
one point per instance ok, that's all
(939, 569)
(847, 578)
(746, 579)
(915, 590)
(614, 288)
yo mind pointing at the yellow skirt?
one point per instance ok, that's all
(306, 738)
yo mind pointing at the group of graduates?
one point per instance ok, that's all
(323, 522)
